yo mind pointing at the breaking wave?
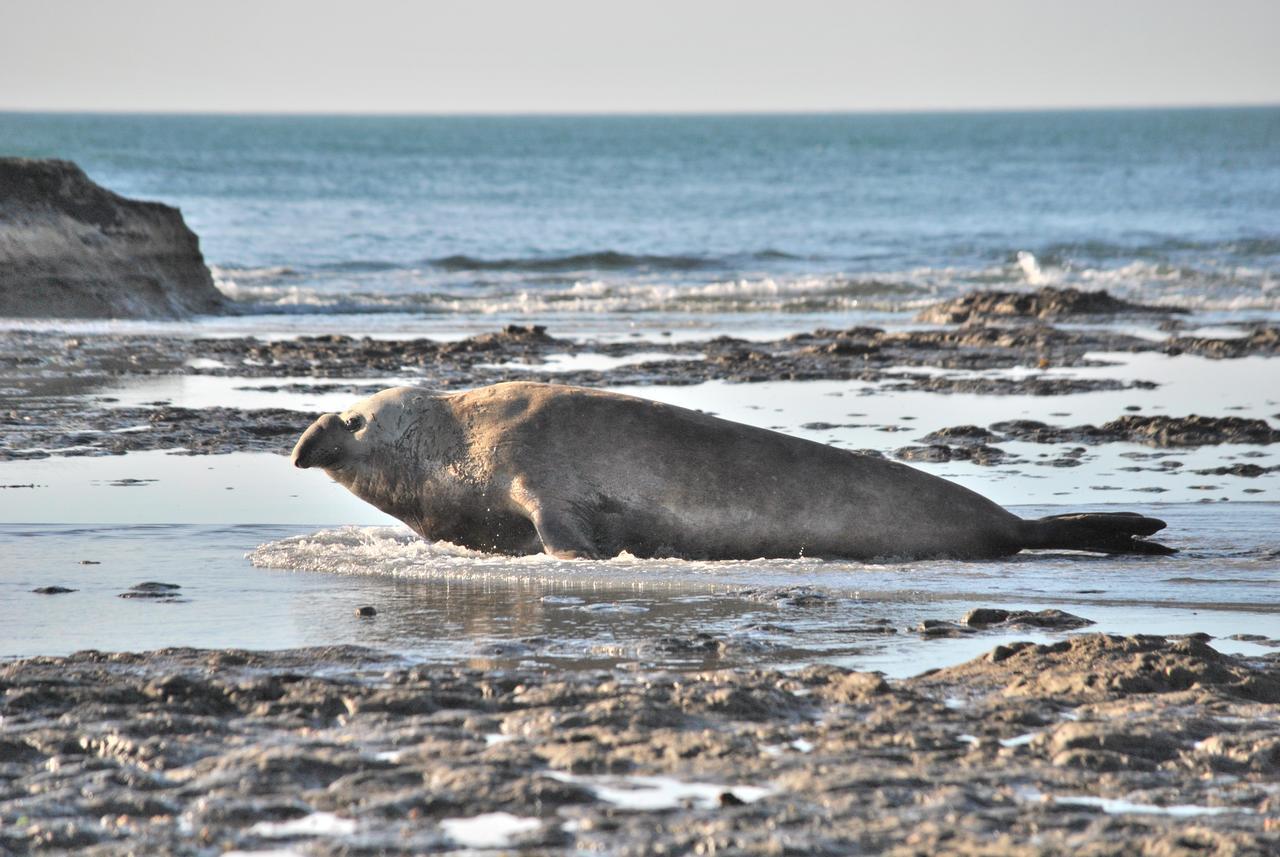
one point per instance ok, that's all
(766, 294)
(1230, 288)
(520, 287)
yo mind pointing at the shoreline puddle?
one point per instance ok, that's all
(652, 794)
(315, 824)
(441, 604)
(489, 830)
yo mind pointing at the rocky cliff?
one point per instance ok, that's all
(72, 249)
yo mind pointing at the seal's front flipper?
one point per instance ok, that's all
(563, 535)
(1103, 532)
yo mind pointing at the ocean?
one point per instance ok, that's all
(663, 229)
(686, 220)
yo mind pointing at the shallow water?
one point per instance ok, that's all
(664, 229)
(270, 557)
(268, 587)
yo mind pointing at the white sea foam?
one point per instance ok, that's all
(283, 291)
(1030, 268)
(397, 552)
(265, 298)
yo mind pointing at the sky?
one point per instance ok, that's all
(591, 56)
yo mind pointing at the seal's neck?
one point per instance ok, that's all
(393, 487)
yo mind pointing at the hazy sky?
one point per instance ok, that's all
(645, 55)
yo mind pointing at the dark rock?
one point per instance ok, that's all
(1033, 385)
(1161, 431)
(983, 454)
(188, 430)
(366, 611)
(1192, 430)
(962, 435)
(935, 453)
(154, 591)
(842, 347)
(701, 644)
(1261, 340)
(986, 617)
(52, 590)
(808, 599)
(789, 596)
(978, 454)
(941, 628)
(1249, 471)
(1047, 302)
(73, 249)
(512, 334)
(1003, 653)
(1061, 462)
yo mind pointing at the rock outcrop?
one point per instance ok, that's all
(1048, 302)
(70, 248)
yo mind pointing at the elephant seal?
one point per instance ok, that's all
(522, 468)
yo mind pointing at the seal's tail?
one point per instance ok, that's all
(1102, 532)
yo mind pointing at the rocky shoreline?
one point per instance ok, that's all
(46, 380)
(70, 248)
(1094, 744)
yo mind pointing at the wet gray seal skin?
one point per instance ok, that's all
(523, 468)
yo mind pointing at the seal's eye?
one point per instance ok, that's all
(353, 423)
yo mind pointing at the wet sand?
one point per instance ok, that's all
(1096, 744)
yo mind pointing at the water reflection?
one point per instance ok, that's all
(439, 605)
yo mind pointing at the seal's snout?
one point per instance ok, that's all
(319, 445)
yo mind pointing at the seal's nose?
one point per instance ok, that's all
(305, 450)
(299, 454)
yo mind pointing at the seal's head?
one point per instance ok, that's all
(364, 432)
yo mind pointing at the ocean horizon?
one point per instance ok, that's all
(686, 217)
